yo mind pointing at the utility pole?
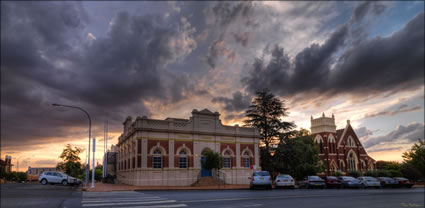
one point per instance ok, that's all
(93, 167)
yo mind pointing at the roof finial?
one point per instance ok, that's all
(333, 116)
(323, 114)
(348, 122)
(311, 117)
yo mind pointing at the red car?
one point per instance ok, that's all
(403, 182)
(333, 182)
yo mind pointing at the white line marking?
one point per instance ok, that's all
(127, 203)
(162, 206)
(252, 198)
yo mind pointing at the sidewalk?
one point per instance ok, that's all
(104, 187)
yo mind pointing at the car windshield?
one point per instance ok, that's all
(348, 178)
(401, 179)
(314, 178)
(285, 176)
(370, 178)
(332, 178)
(261, 173)
(386, 178)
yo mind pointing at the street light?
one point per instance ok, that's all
(88, 152)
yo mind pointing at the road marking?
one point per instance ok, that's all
(252, 198)
(121, 199)
(252, 205)
(128, 203)
(162, 206)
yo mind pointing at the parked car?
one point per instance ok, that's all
(284, 180)
(403, 182)
(261, 178)
(350, 182)
(388, 182)
(57, 177)
(332, 182)
(368, 181)
(312, 182)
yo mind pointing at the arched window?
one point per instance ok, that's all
(227, 159)
(319, 141)
(246, 160)
(182, 159)
(341, 165)
(157, 158)
(331, 144)
(351, 162)
(351, 142)
(321, 147)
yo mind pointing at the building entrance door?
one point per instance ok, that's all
(205, 172)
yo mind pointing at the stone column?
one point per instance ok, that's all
(257, 155)
(170, 153)
(238, 154)
(144, 153)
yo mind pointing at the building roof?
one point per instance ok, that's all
(339, 133)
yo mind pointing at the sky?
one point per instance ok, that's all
(361, 61)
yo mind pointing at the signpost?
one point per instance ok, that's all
(93, 167)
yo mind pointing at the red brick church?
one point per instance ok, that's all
(340, 150)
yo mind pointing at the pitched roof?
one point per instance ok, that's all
(339, 133)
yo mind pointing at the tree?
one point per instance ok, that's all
(297, 155)
(213, 160)
(71, 161)
(266, 113)
(416, 156)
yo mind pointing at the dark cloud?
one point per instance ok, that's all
(375, 65)
(363, 132)
(219, 49)
(47, 58)
(409, 133)
(242, 38)
(228, 12)
(238, 102)
(400, 109)
(367, 7)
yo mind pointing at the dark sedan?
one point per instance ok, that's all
(350, 182)
(312, 182)
(333, 182)
(387, 182)
(403, 182)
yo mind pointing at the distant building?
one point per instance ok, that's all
(39, 170)
(6, 164)
(170, 152)
(339, 150)
(110, 159)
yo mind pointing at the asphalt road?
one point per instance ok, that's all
(35, 195)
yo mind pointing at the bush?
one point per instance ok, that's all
(382, 173)
(411, 172)
(371, 173)
(16, 176)
(337, 173)
(395, 173)
(354, 173)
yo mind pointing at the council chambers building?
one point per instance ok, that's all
(170, 152)
(339, 150)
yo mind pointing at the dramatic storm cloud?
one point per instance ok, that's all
(363, 61)
(407, 134)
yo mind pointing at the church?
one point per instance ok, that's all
(339, 150)
(170, 152)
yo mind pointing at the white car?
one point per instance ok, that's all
(368, 181)
(261, 178)
(56, 177)
(284, 181)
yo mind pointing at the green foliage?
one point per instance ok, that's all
(16, 176)
(98, 173)
(388, 165)
(354, 173)
(213, 160)
(371, 173)
(297, 156)
(411, 172)
(71, 162)
(337, 173)
(266, 113)
(416, 156)
(382, 173)
(395, 173)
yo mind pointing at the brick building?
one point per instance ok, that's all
(6, 164)
(339, 150)
(170, 152)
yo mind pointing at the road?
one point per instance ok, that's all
(34, 195)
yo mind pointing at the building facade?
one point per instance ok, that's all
(6, 164)
(170, 152)
(339, 150)
(39, 170)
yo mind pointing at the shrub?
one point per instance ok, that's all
(382, 173)
(354, 173)
(337, 173)
(395, 173)
(371, 173)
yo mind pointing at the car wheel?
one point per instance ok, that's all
(44, 181)
(64, 182)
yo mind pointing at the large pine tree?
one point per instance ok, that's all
(266, 113)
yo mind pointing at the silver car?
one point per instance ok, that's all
(368, 181)
(261, 178)
(284, 181)
(56, 177)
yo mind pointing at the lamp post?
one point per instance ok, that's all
(88, 151)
